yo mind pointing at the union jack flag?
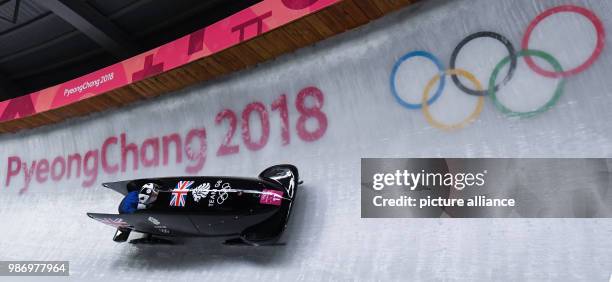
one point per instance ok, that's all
(114, 222)
(180, 193)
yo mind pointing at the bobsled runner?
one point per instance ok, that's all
(251, 211)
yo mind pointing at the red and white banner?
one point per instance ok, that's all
(244, 25)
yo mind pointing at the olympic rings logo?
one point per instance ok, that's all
(511, 60)
(223, 195)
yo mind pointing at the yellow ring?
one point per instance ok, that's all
(470, 118)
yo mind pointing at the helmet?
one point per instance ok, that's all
(148, 193)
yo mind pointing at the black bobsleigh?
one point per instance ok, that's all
(250, 211)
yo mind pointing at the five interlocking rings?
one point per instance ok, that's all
(526, 53)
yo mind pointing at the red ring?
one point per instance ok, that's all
(601, 35)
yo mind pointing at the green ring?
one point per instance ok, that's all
(558, 91)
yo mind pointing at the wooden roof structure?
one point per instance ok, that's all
(335, 19)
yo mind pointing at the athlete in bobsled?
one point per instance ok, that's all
(250, 211)
(139, 200)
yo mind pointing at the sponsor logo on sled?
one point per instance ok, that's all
(162, 229)
(200, 192)
(153, 220)
(180, 193)
(271, 197)
(219, 194)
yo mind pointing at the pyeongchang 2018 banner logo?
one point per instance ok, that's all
(503, 72)
(273, 122)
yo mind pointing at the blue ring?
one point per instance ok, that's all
(407, 56)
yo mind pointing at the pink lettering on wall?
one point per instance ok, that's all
(122, 153)
(258, 22)
(298, 4)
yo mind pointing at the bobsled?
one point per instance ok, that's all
(252, 211)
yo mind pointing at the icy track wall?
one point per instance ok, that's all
(521, 79)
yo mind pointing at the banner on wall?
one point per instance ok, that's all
(410, 85)
(242, 26)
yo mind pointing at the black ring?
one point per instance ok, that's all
(495, 36)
